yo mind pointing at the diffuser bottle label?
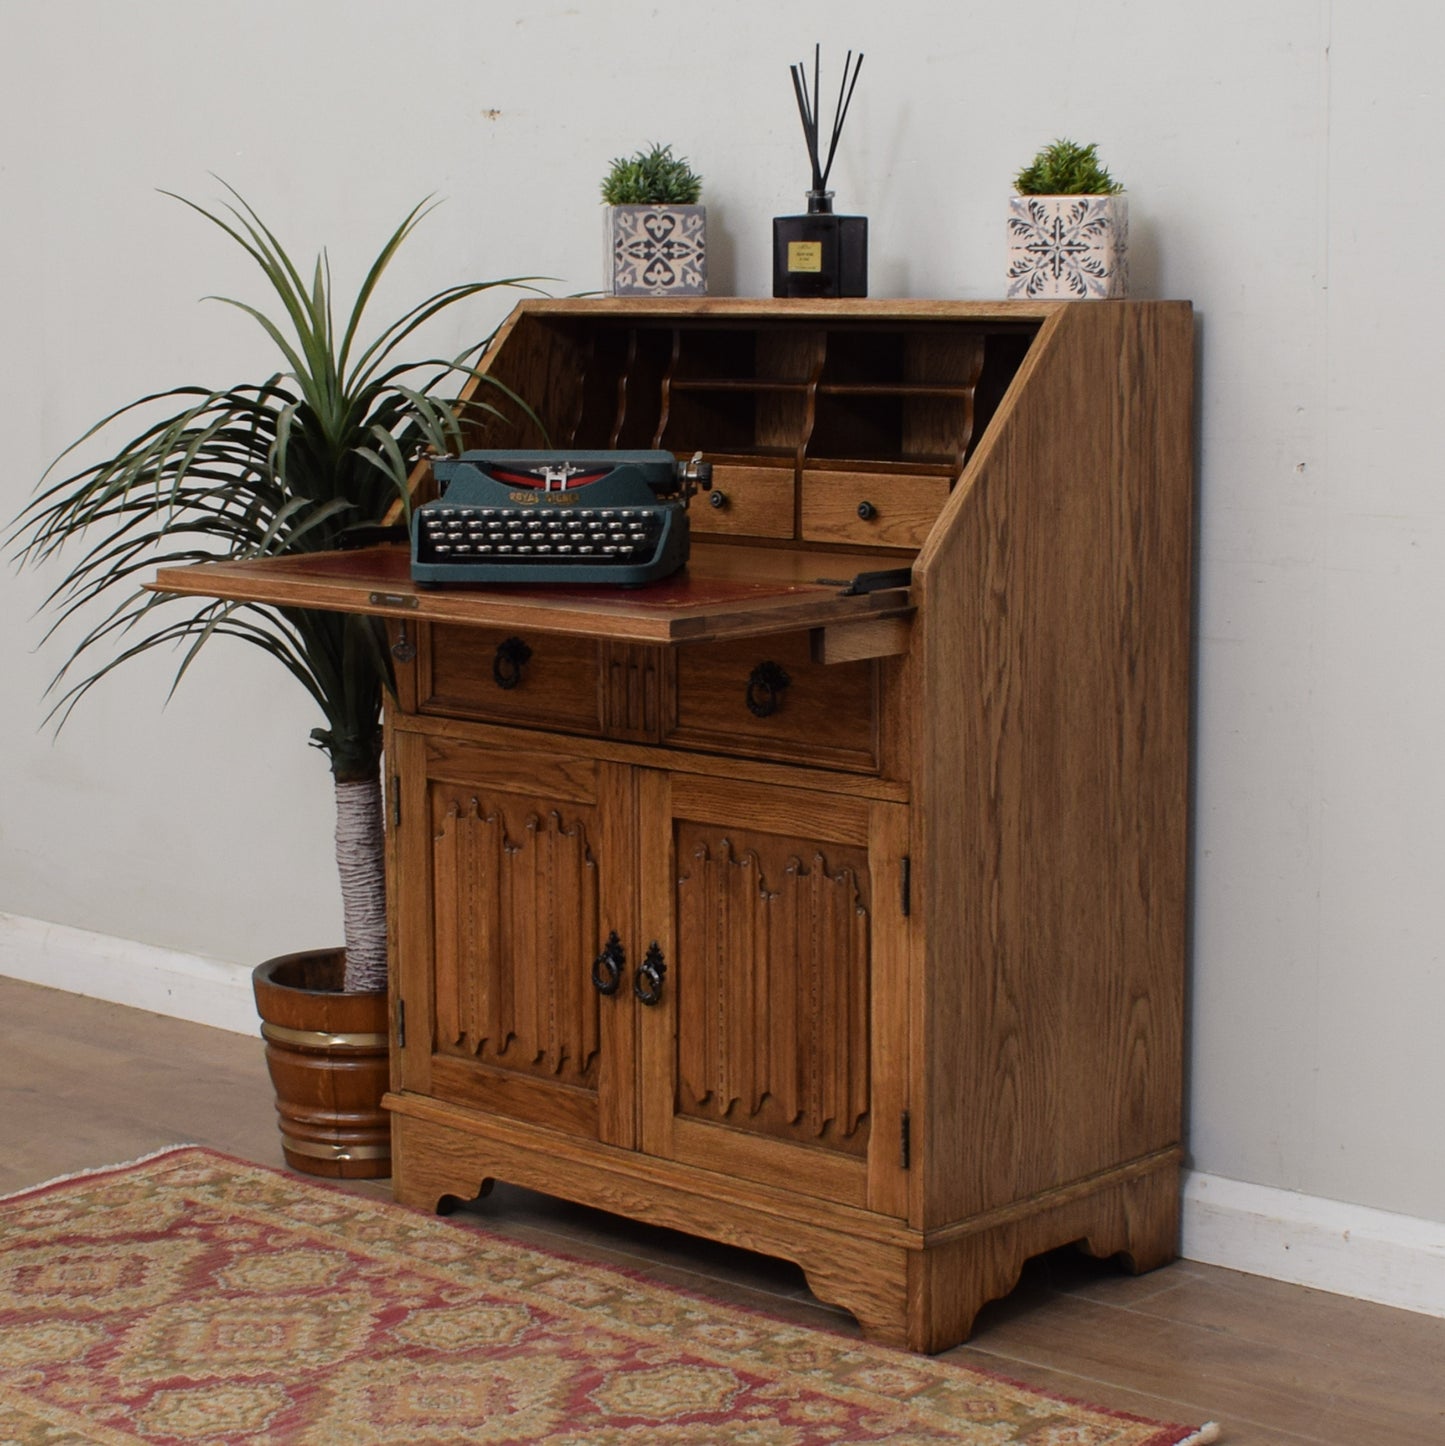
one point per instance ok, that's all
(805, 255)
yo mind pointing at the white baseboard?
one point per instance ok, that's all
(1354, 1250)
(164, 981)
(1397, 1260)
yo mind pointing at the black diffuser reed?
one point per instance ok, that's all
(820, 254)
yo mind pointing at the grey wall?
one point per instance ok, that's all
(1271, 154)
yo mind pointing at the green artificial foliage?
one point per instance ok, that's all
(1066, 169)
(653, 177)
(284, 465)
(259, 469)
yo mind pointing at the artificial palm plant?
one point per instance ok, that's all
(286, 465)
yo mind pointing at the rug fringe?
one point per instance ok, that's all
(1207, 1433)
(97, 1170)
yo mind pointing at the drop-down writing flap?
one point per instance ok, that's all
(723, 592)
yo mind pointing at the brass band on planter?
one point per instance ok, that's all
(320, 1039)
(336, 1152)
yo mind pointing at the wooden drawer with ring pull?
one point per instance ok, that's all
(504, 676)
(871, 509)
(767, 698)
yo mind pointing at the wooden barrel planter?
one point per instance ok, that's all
(327, 1054)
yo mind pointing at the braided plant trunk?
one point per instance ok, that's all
(360, 861)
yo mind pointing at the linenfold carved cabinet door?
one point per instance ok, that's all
(528, 857)
(711, 971)
(777, 1048)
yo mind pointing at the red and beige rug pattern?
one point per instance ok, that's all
(192, 1298)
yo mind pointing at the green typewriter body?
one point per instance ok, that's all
(566, 517)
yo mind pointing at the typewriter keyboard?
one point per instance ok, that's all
(501, 534)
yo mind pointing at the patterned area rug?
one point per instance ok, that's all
(193, 1298)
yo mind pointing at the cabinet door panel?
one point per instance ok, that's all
(772, 970)
(525, 887)
(515, 899)
(766, 1056)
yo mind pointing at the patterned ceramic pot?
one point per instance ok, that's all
(1074, 248)
(656, 250)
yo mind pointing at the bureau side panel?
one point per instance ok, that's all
(1052, 744)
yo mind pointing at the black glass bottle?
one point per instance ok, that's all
(820, 254)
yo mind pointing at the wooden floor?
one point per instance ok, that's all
(84, 1083)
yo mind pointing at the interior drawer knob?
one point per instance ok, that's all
(766, 685)
(717, 499)
(867, 511)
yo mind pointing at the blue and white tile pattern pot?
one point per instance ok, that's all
(1073, 248)
(656, 251)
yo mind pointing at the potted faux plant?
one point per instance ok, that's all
(656, 232)
(1068, 228)
(286, 465)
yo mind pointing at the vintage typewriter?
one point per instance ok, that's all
(554, 517)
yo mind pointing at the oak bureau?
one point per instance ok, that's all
(844, 922)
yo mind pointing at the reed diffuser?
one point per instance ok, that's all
(818, 253)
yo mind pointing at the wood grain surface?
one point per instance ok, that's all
(902, 908)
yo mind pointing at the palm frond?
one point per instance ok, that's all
(373, 277)
(253, 469)
(389, 339)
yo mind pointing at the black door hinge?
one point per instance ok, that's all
(907, 892)
(401, 1023)
(395, 801)
(905, 1142)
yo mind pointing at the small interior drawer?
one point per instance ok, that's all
(536, 679)
(745, 502)
(873, 509)
(767, 698)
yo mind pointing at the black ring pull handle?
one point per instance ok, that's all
(403, 649)
(647, 982)
(607, 966)
(512, 657)
(766, 685)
